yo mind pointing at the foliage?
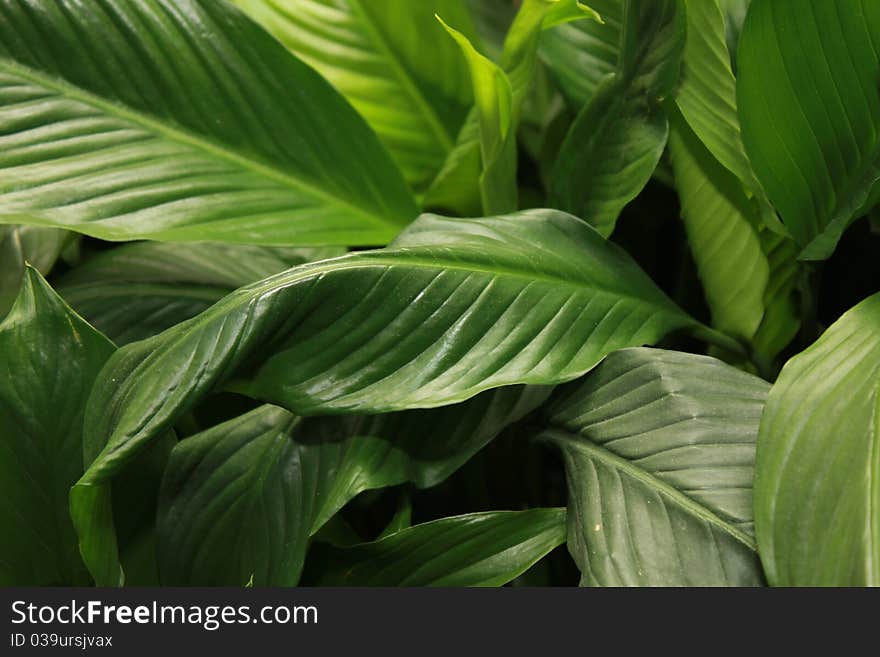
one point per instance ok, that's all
(419, 292)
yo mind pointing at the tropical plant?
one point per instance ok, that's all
(440, 292)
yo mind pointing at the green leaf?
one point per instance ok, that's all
(480, 549)
(453, 308)
(810, 112)
(659, 450)
(817, 484)
(782, 314)
(486, 147)
(40, 247)
(616, 141)
(263, 483)
(184, 121)
(493, 97)
(423, 446)
(723, 233)
(402, 518)
(374, 53)
(707, 94)
(235, 505)
(582, 54)
(50, 360)
(492, 19)
(135, 291)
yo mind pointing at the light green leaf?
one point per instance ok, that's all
(499, 92)
(817, 484)
(494, 104)
(455, 307)
(291, 475)
(184, 121)
(375, 53)
(135, 291)
(616, 141)
(782, 314)
(707, 94)
(723, 233)
(50, 358)
(480, 549)
(810, 112)
(659, 450)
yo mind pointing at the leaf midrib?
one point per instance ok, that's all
(199, 143)
(580, 443)
(367, 259)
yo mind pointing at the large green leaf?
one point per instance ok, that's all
(480, 549)
(453, 308)
(135, 291)
(49, 358)
(810, 112)
(817, 485)
(375, 52)
(291, 475)
(184, 121)
(616, 141)
(659, 451)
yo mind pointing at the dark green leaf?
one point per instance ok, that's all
(617, 139)
(659, 451)
(182, 121)
(50, 358)
(135, 291)
(453, 308)
(261, 484)
(810, 112)
(480, 549)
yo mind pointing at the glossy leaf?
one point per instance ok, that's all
(659, 450)
(810, 112)
(135, 291)
(456, 307)
(374, 53)
(480, 549)
(184, 121)
(818, 466)
(50, 358)
(616, 141)
(290, 475)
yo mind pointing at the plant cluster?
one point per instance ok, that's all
(439, 292)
